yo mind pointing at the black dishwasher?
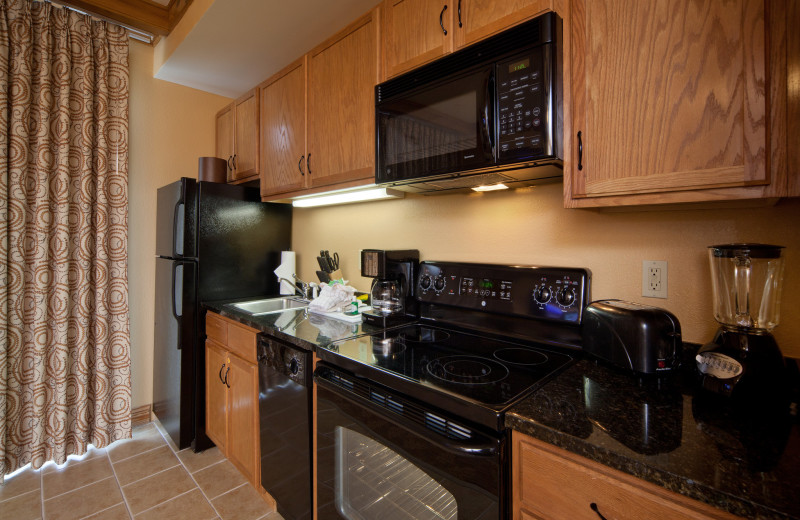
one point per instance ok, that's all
(284, 406)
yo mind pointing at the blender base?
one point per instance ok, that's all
(742, 365)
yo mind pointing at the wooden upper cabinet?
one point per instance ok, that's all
(237, 130)
(671, 102)
(415, 32)
(479, 19)
(224, 134)
(245, 161)
(283, 131)
(342, 74)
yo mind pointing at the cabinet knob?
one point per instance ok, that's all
(441, 21)
(226, 377)
(594, 508)
(580, 151)
(308, 164)
(220, 373)
(459, 14)
(300, 165)
(234, 161)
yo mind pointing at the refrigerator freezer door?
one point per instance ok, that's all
(174, 348)
(177, 220)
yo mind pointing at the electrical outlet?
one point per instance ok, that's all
(654, 278)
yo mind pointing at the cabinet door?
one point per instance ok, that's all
(283, 131)
(478, 19)
(243, 418)
(413, 34)
(245, 160)
(216, 395)
(342, 74)
(224, 133)
(667, 96)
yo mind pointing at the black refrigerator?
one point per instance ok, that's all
(213, 242)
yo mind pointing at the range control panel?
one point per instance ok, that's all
(552, 293)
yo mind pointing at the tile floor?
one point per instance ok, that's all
(144, 478)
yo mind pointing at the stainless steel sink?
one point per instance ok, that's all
(270, 305)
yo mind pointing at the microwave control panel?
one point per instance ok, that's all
(524, 106)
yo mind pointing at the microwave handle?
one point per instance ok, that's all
(488, 123)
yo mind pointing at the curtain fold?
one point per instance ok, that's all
(64, 331)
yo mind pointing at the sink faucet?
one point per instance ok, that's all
(301, 288)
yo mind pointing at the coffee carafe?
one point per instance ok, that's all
(744, 357)
(392, 292)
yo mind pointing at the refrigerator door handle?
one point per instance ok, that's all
(178, 216)
(177, 294)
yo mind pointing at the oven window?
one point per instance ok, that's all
(374, 481)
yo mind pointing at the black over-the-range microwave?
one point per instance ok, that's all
(487, 114)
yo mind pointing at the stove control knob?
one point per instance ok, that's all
(438, 283)
(425, 282)
(542, 294)
(565, 296)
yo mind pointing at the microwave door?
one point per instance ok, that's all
(446, 127)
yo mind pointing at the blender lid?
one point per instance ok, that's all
(751, 250)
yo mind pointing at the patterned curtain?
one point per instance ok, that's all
(64, 333)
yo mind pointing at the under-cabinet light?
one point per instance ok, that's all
(347, 197)
(493, 187)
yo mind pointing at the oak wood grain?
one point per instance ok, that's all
(668, 96)
(412, 35)
(792, 14)
(216, 395)
(224, 137)
(242, 341)
(216, 328)
(550, 483)
(481, 19)
(243, 436)
(246, 136)
(342, 73)
(283, 138)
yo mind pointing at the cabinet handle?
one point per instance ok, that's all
(459, 14)
(441, 22)
(234, 161)
(229, 163)
(594, 508)
(300, 165)
(580, 151)
(226, 381)
(308, 164)
(220, 373)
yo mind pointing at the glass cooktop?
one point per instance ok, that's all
(422, 360)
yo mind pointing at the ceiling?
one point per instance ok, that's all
(236, 44)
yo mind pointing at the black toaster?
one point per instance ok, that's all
(637, 337)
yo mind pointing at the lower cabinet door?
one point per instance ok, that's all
(216, 395)
(243, 418)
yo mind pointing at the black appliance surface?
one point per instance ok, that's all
(213, 241)
(487, 336)
(493, 107)
(374, 462)
(284, 405)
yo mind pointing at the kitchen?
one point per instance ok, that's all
(172, 125)
(531, 223)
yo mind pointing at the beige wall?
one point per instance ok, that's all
(531, 227)
(170, 127)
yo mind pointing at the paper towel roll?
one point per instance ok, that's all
(286, 270)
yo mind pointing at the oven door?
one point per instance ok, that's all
(442, 128)
(383, 457)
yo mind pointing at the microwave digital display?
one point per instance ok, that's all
(519, 65)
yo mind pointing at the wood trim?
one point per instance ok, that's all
(792, 89)
(140, 14)
(141, 415)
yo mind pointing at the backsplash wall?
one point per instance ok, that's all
(530, 227)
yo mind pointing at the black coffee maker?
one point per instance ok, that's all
(392, 291)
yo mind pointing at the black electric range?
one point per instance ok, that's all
(410, 418)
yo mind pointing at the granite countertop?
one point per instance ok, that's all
(297, 327)
(742, 459)
(667, 431)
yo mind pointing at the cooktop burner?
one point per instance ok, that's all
(475, 368)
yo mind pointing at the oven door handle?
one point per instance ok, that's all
(485, 447)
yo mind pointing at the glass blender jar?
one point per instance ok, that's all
(746, 282)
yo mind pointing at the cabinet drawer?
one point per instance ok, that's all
(216, 328)
(553, 484)
(242, 342)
